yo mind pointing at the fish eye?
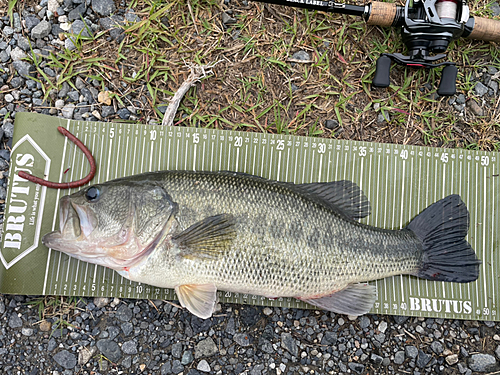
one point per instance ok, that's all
(92, 194)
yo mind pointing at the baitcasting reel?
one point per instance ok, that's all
(427, 28)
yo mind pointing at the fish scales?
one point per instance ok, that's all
(287, 245)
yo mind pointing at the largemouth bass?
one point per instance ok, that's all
(198, 232)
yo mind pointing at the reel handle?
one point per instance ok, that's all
(382, 72)
(447, 86)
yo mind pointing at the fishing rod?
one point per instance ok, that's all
(427, 28)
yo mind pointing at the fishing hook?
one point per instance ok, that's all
(66, 185)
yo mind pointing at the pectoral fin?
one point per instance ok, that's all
(207, 238)
(355, 299)
(198, 299)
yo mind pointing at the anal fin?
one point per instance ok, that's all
(200, 300)
(355, 299)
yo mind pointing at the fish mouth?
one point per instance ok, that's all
(76, 223)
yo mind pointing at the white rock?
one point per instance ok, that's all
(68, 110)
(452, 359)
(267, 311)
(9, 98)
(17, 54)
(65, 26)
(59, 103)
(52, 5)
(382, 327)
(203, 366)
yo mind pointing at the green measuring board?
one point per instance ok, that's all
(399, 180)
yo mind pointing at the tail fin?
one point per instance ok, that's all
(447, 256)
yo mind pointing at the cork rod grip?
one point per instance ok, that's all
(382, 14)
(485, 29)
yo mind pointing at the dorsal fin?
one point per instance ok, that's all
(344, 196)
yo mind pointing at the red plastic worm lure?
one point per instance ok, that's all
(66, 185)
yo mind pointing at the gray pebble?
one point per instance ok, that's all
(68, 110)
(494, 86)
(177, 350)
(52, 344)
(358, 368)
(331, 124)
(376, 359)
(399, 357)
(461, 99)
(205, 348)
(65, 359)
(437, 347)
(491, 69)
(109, 349)
(4, 56)
(364, 321)
(41, 30)
(113, 332)
(187, 357)
(103, 7)
(411, 351)
(383, 117)
(27, 331)
(301, 55)
(124, 113)
(177, 367)
(483, 363)
(31, 22)
(495, 9)
(230, 326)
(124, 313)
(480, 89)
(227, 19)
(24, 68)
(166, 368)
(423, 359)
(129, 347)
(127, 328)
(107, 110)
(15, 321)
(80, 28)
(73, 96)
(8, 31)
(329, 338)
(23, 43)
(77, 13)
(17, 54)
(288, 343)
(242, 339)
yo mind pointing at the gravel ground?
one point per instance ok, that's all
(100, 336)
